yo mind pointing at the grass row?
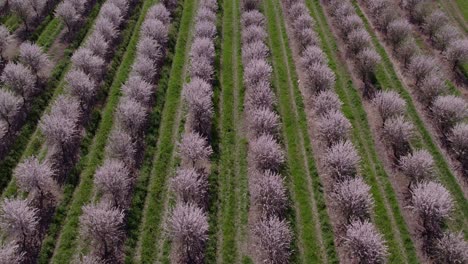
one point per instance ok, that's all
(168, 131)
(119, 72)
(389, 220)
(29, 140)
(299, 151)
(390, 80)
(229, 167)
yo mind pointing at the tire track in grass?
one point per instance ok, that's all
(388, 217)
(314, 231)
(227, 241)
(119, 70)
(460, 220)
(169, 133)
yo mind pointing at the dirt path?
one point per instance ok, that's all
(301, 141)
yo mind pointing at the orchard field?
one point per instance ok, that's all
(233, 131)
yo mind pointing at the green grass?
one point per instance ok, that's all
(168, 131)
(231, 172)
(118, 73)
(135, 215)
(30, 139)
(371, 167)
(389, 79)
(295, 127)
(463, 6)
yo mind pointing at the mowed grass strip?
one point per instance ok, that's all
(227, 121)
(388, 78)
(120, 69)
(168, 133)
(30, 140)
(387, 214)
(316, 248)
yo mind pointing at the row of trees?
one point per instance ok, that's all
(188, 222)
(418, 166)
(349, 193)
(102, 223)
(357, 41)
(29, 11)
(429, 200)
(270, 230)
(24, 222)
(437, 26)
(21, 81)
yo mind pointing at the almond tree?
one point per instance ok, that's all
(190, 186)
(113, 180)
(156, 30)
(112, 13)
(82, 87)
(397, 31)
(84, 59)
(201, 67)
(448, 111)
(389, 104)
(353, 199)
(256, 72)
(319, 78)
(33, 56)
(202, 47)
(272, 240)
(23, 10)
(265, 153)
(5, 39)
(364, 243)
(151, 49)
(139, 90)
(198, 95)
(160, 12)
(98, 45)
(398, 133)
(263, 121)
(9, 253)
(446, 35)
(19, 79)
(417, 166)
(433, 204)
(260, 96)
(366, 64)
(205, 14)
(341, 161)
(68, 14)
(457, 52)
(406, 51)
(253, 33)
(105, 28)
(312, 55)
(102, 226)
(37, 179)
(268, 194)
(188, 230)
(431, 87)
(420, 67)
(451, 248)
(19, 222)
(145, 68)
(358, 40)
(326, 101)
(121, 146)
(10, 106)
(131, 116)
(333, 127)
(458, 139)
(205, 29)
(434, 21)
(252, 17)
(194, 149)
(254, 51)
